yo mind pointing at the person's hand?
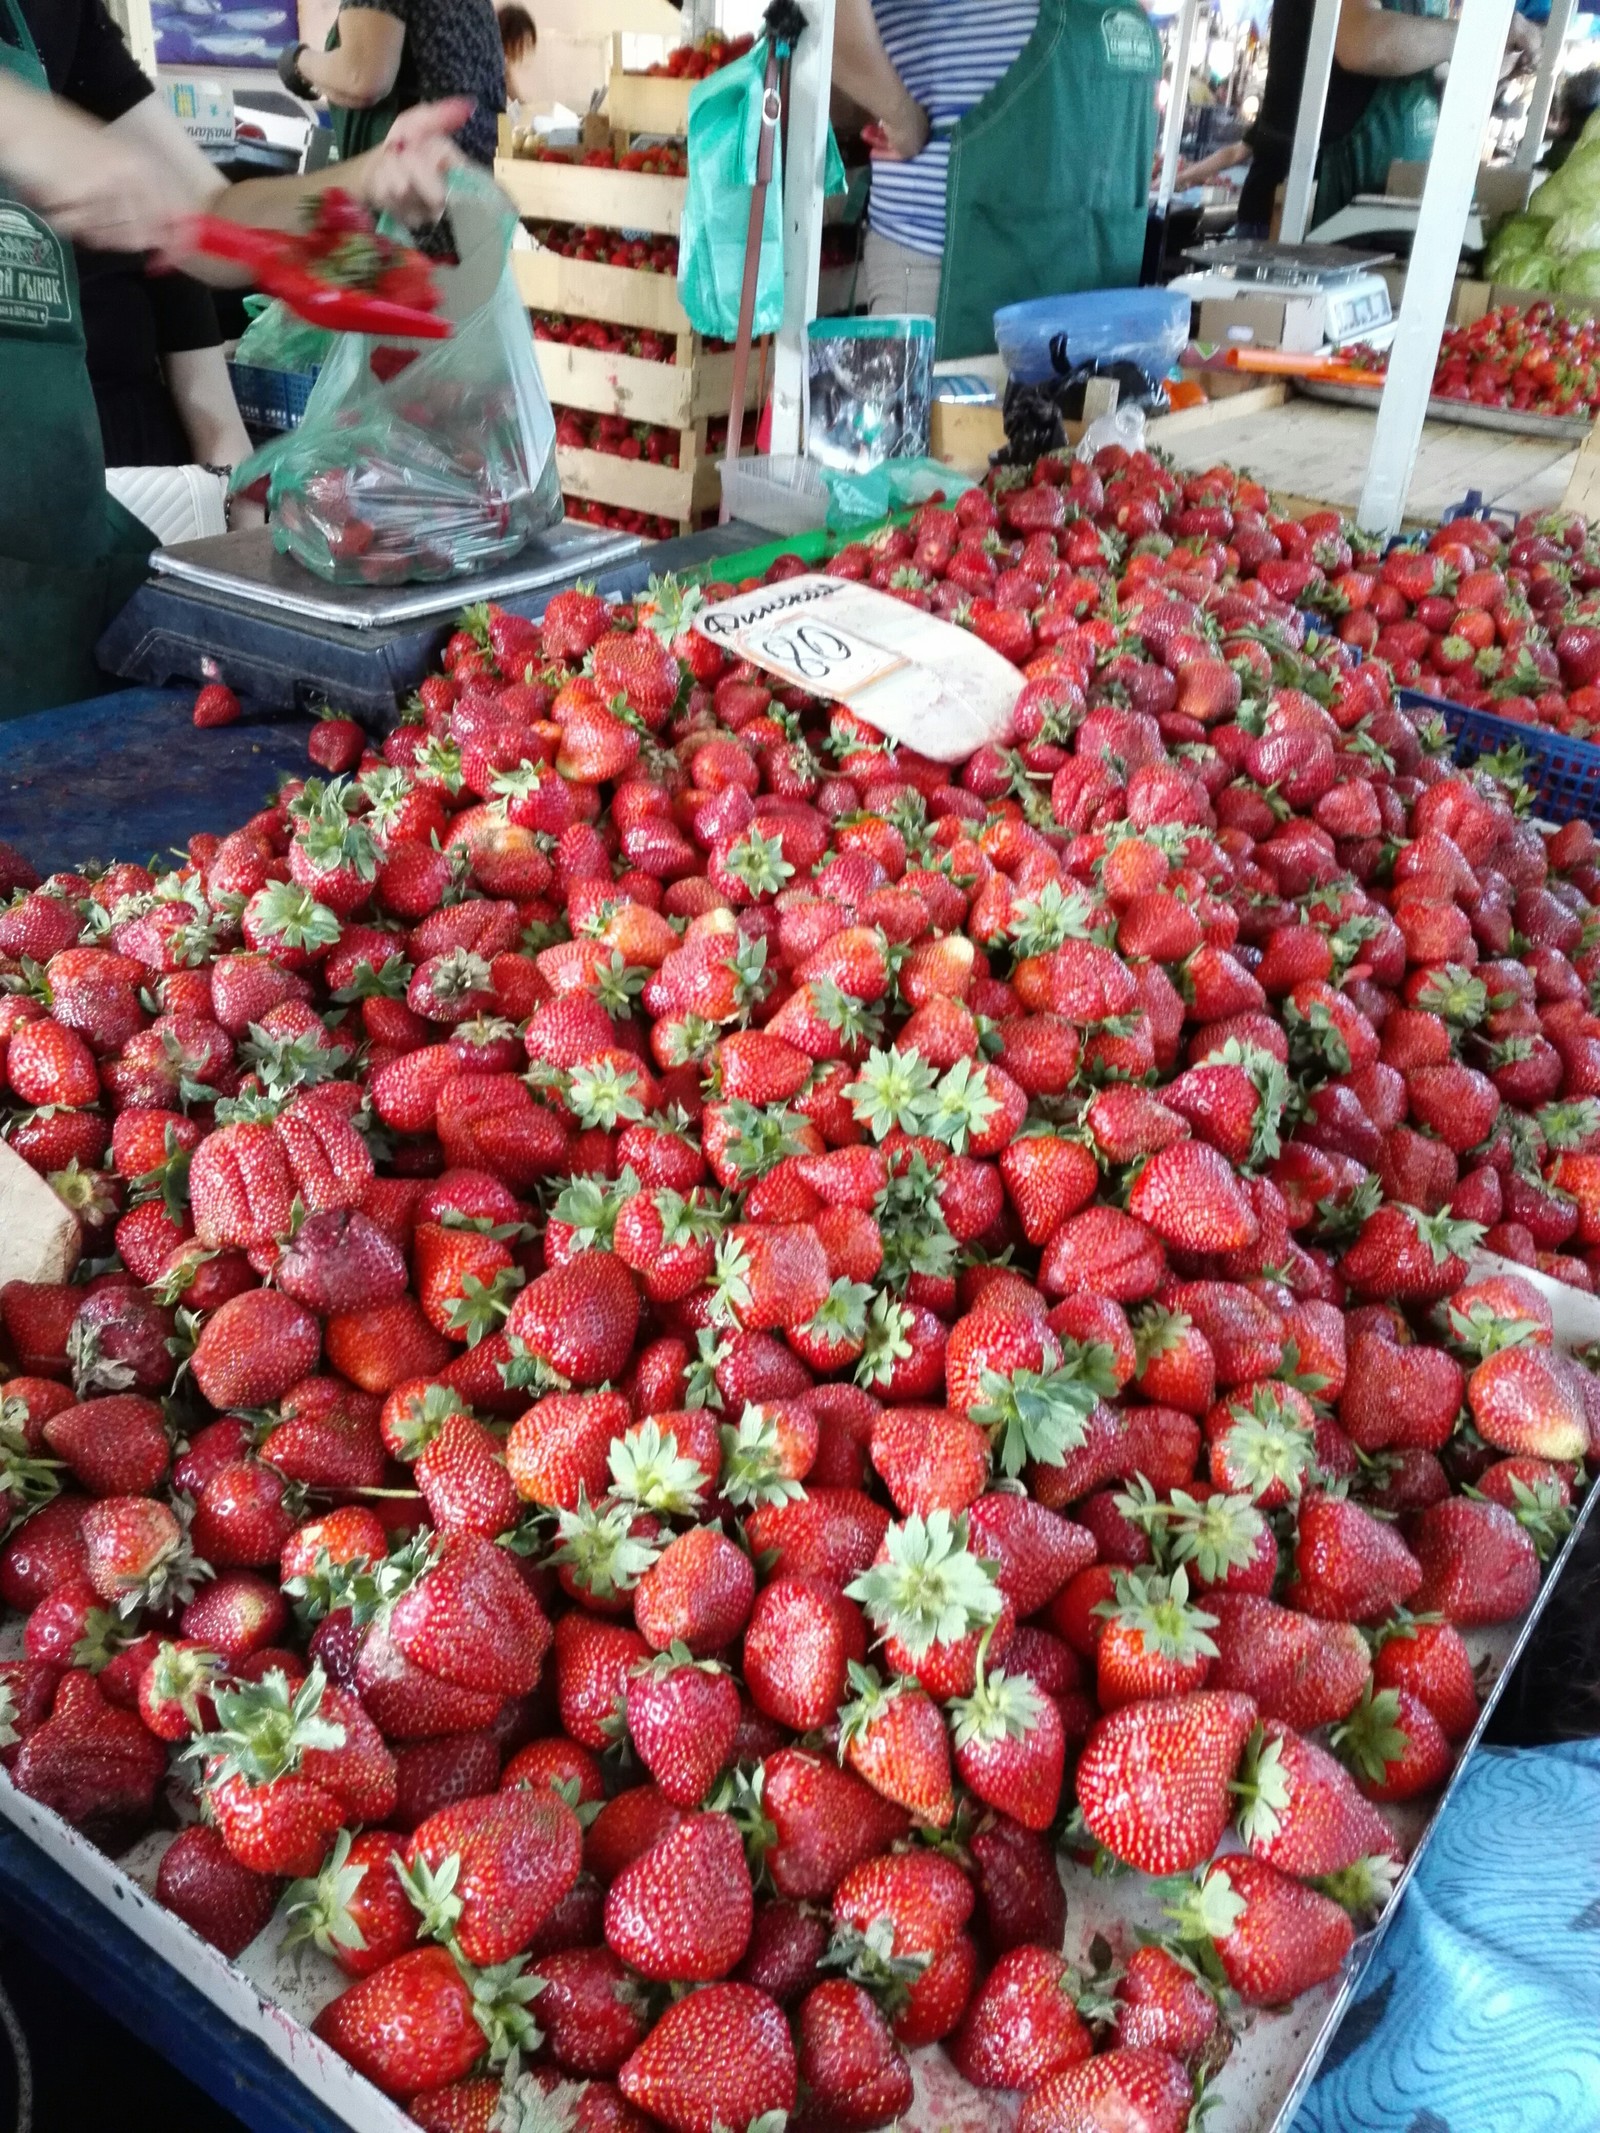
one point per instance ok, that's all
(899, 137)
(406, 177)
(90, 182)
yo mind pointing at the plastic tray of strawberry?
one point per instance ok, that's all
(706, 1348)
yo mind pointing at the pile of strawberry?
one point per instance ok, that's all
(702, 1340)
(648, 523)
(617, 435)
(1537, 360)
(608, 248)
(664, 159)
(693, 62)
(599, 335)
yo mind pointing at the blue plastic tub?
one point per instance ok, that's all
(271, 399)
(1050, 335)
(1563, 775)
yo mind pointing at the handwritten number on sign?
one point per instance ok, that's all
(811, 649)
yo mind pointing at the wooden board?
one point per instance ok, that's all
(39, 1237)
(648, 103)
(673, 395)
(1318, 451)
(549, 281)
(549, 191)
(680, 492)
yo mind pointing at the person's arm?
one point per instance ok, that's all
(866, 74)
(110, 186)
(1373, 39)
(363, 67)
(1213, 165)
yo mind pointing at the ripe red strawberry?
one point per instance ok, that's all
(1023, 2023)
(1430, 1659)
(1163, 2004)
(1274, 1937)
(486, 1873)
(1394, 1745)
(1402, 1253)
(682, 1719)
(683, 1911)
(95, 1765)
(801, 1638)
(1351, 1567)
(471, 1621)
(1135, 2088)
(1299, 1810)
(1478, 1564)
(356, 1909)
(116, 1446)
(579, 1319)
(721, 2057)
(1188, 1194)
(1153, 1778)
(425, 2019)
(825, 1821)
(1524, 1403)
(895, 1738)
(202, 1882)
(216, 705)
(1304, 1671)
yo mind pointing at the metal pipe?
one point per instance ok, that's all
(1544, 85)
(1177, 101)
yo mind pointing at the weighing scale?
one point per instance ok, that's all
(233, 609)
(1334, 295)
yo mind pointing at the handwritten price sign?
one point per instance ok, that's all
(787, 630)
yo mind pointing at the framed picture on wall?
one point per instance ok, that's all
(222, 33)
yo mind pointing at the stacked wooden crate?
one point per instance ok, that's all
(683, 395)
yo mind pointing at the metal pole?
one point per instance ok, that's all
(1435, 249)
(1177, 101)
(805, 154)
(1308, 125)
(1544, 85)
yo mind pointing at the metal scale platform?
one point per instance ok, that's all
(1345, 299)
(232, 609)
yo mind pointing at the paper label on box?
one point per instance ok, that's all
(913, 676)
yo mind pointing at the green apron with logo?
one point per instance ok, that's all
(69, 554)
(1049, 180)
(1397, 126)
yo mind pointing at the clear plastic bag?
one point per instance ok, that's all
(1048, 336)
(419, 461)
(871, 390)
(276, 340)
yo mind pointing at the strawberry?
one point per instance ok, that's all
(94, 1765)
(854, 2073)
(254, 1348)
(1273, 1937)
(895, 1738)
(722, 2056)
(116, 1446)
(485, 1874)
(1023, 2023)
(426, 2018)
(823, 1822)
(1153, 1778)
(1523, 1403)
(216, 705)
(801, 1638)
(1351, 1567)
(1429, 1658)
(1401, 1252)
(683, 1716)
(1394, 1745)
(1143, 2090)
(1299, 1810)
(1154, 1643)
(356, 1910)
(684, 1910)
(202, 1882)
(1187, 1193)
(472, 1622)
(1478, 1564)
(579, 1320)
(1163, 2004)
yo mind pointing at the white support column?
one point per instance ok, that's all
(1544, 84)
(810, 76)
(1177, 100)
(1435, 249)
(1308, 123)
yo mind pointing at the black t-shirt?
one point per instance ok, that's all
(452, 48)
(85, 59)
(1271, 137)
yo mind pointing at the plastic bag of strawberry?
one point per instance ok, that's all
(423, 460)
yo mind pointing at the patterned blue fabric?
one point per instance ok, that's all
(1480, 2012)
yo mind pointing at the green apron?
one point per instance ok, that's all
(354, 132)
(1397, 126)
(1050, 173)
(69, 554)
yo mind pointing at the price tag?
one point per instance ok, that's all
(788, 630)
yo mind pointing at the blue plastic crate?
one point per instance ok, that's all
(1563, 775)
(271, 399)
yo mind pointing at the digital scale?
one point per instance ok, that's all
(1299, 297)
(233, 609)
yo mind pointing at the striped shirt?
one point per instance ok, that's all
(949, 54)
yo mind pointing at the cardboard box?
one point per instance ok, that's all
(1293, 323)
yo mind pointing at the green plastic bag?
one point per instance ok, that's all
(276, 339)
(724, 140)
(863, 499)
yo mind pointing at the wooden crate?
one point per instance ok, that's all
(680, 493)
(550, 191)
(647, 103)
(624, 296)
(672, 395)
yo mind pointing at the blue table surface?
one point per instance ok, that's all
(128, 774)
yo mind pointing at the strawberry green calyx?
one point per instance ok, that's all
(589, 1207)
(422, 1417)
(25, 1482)
(439, 763)
(459, 975)
(1372, 1738)
(500, 1997)
(885, 1339)
(1485, 1331)
(894, 1090)
(740, 1794)
(840, 1320)
(105, 1633)
(289, 1063)
(758, 862)
(1205, 1911)
(855, 1022)
(1158, 1609)
(388, 982)
(264, 1727)
(168, 1182)
(524, 2107)
(1221, 1534)
(751, 977)
(8, 1717)
(751, 1455)
(604, 1094)
(316, 1911)
(291, 916)
(431, 1892)
(1268, 1444)
(482, 1305)
(759, 1139)
(1455, 996)
(871, 1700)
(1156, 1332)
(1365, 1887)
(1055, 914)
(929, 1588)
(1539, 1509)
(700, 1388)
(649, 1472)
(1041, 1415)
(916, 1238)
(90, 1193)
(869, 1959)
(1445, 1237)
(730, 1282)
(618, 984)
(523, 1371)
(333, 842)
(1262, 1788)
(328, 1587)
(963, 1106)
(1002, 1707)
(1569, 1126)
(1338, 1219)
